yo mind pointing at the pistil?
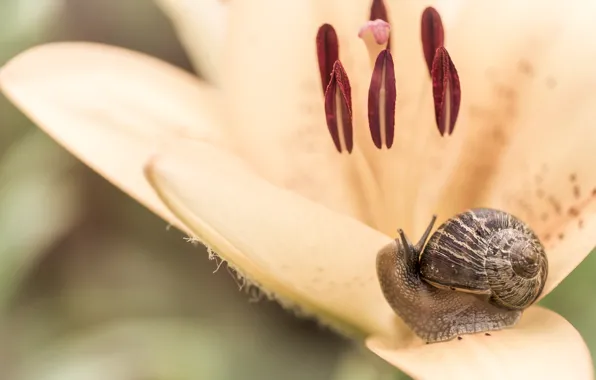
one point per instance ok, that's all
(378, 11)
(375, 35)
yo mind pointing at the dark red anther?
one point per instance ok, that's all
(338, 108)
(446, 91)
(378, 11)
(381, 101)
(327, 52)
(433, 35)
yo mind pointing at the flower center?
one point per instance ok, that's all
(382, 93)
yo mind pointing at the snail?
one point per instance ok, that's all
(477, 273)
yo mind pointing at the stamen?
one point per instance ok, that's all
(338, 109)
(327, 52)
(446, 91)
(381, 101)
(378, 11)
(375, 35)
(433, 35)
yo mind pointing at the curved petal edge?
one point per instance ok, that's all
(542, 346)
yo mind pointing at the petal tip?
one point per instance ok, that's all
(542, 345)
(21, 67)
(159, 168)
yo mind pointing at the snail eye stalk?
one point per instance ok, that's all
(418, 247)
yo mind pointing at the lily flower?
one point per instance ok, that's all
(309, 146)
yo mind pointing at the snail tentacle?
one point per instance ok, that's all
(411, 255)
(420, 245)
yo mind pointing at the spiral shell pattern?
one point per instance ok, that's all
(487, 252)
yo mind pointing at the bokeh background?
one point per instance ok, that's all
(94, 286)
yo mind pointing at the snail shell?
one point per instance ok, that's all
(477, 273)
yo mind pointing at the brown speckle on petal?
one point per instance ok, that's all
(551, 83)
(525, 68)
(576, 191)
(554, 202)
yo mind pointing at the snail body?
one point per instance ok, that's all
(477, 273)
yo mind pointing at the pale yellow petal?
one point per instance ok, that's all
(277, 119)
(299, 251)
(525, 126)
(504, 88)
(547, 173)
(201, 26)
(526, 139)
(502, 51)
(111, 107)
(546, 176)
(543, 346)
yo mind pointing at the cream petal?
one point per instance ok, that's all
(111, 107)
(277, 118)
(503, 87)
(524, 130)
(501, 92)
(201, 26)
(298, 251)
(526, 140)
(546, 176)
(543, 346)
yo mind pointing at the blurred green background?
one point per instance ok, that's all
(93, 286)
